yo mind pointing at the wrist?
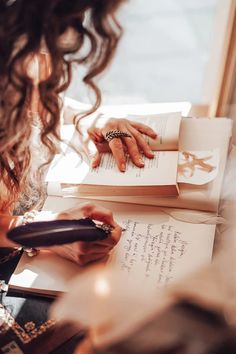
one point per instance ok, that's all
(7, 222)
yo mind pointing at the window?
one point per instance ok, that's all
(171, 51)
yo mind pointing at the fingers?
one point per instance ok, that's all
(89, 210)
(105, 215)
(94, 145)
(92, 153)
(95, 160)
(104, 246)
(144, 129)
(95, 134)
(133, 151)
(73, 253)
(83, 253)
(91, 251)
(115, 145)
(95, 212)
(114, 238)
(134, 145)
(118, 152)
(84, 260)
(99, 213)
(86, 252)
(89, 248)
(142, 143)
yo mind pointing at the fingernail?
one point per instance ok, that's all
(122, 167)
(141, 162)
(93, 162)
(151, 153)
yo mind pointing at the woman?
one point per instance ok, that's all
(39, 42)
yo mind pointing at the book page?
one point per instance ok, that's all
(157, 171)
(194, 167)
(44, 274)
(155, 245)
(196, 134)
(163, 253)
(167, 127)
(161, 170)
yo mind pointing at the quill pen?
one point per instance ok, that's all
(58, 232)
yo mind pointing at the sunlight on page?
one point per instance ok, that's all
(69, 168)
(194, 167)
(102, 287)
(28, 276)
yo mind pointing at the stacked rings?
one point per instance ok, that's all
(112, 134)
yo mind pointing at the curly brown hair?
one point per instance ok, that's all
(26, 26)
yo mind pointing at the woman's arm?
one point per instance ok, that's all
(79, 252)
(7, 222)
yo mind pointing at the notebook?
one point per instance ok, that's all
(157, 244)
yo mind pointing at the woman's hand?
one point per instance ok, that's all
(95, 141)
(86, 252)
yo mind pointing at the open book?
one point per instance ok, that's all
(202, 145)
(157, 245)
(159, 177)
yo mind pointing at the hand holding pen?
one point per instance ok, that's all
(84, 252)
(90, 235)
